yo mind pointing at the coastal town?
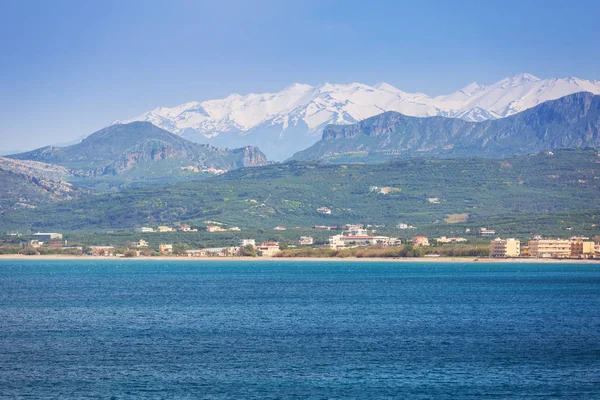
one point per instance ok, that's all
(350, 240)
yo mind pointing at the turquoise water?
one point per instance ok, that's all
(228, 330)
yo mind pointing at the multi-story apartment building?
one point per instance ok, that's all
(546, 248)
(505, 248)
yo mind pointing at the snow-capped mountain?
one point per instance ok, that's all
(283, 123)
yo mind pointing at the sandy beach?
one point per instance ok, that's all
(308, 259)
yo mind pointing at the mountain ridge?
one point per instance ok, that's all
(569, 122)
(285, 122)
(141, 149)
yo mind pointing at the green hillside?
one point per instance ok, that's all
(123, 155)
(418, 192)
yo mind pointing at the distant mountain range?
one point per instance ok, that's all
(142, 151)
(572, 121)
(283, 123)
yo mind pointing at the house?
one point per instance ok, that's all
(444, 239)
(324, 210)
(420, 241)
(166, 248)
(433, 200)
(214, 228)
(268, 249)
(142, 243)
(305, 240)
(213, 252)
(186, 228)
(357, 231)
(547, 248)
(248, 242)
(502, 248)
(144, 229)
(234, 228)
(36, 244)
(486, 232)
(336, 242)
(48, 236)
(164, 228)
(280, 228)
(221, 251)
(105, 251)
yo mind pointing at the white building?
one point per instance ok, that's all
(248, 242)
(342, 241)
(144, 229)
(48, 236)
(305, 240)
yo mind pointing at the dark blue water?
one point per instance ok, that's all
(134, 329)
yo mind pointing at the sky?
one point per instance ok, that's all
(69, 68)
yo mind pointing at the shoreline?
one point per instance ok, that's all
(20, 257)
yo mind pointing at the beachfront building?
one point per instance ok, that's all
(248, 242)
(550, 248)
(502, 248)
(105, 251)
(336, 242)
(166, 248)
(420, 241)
(344, 241)
(268, 249)
(213, 252)
(580, 247)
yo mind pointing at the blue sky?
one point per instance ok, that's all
(69, 68)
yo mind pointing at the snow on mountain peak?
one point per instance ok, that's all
(471, 88)
(525, 77)
(297, 114)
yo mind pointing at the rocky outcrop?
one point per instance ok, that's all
(569, 122)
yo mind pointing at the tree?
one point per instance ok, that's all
(180, 248)
(29, 251)
(247, 251)
(130, 253)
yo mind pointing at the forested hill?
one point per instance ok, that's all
(142, 150)
(415, 191)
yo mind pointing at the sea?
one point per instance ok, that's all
(129, 329)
